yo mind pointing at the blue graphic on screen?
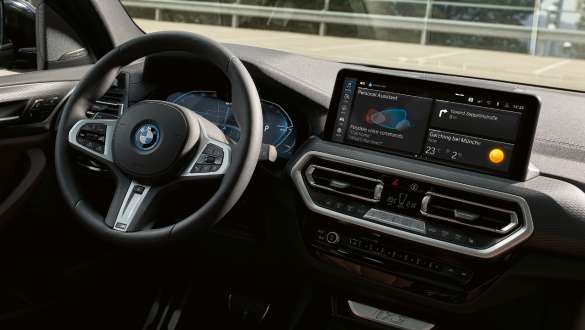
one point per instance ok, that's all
(278, 127)
(394, 119)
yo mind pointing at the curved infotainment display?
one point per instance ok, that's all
(483, 130)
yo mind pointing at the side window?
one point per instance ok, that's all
(18, 36)
(34, 36)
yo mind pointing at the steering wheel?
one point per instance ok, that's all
(154, 145)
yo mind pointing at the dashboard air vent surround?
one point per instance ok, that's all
(469, 213)
(345, 183)
(105, 110)
(112, 103)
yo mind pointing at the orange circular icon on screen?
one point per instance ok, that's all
(496, 156)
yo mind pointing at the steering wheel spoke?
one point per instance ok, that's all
(213, 155)
(93, 137)
(131, 206)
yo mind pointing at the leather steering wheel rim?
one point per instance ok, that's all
(246, 107)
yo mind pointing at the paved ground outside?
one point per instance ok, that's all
(546, 71)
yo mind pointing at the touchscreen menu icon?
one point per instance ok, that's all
(344, 109)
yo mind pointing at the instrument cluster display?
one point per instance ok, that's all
(279, 129)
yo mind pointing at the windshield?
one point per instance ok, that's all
(525, 41)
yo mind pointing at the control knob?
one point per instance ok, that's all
(332, 237)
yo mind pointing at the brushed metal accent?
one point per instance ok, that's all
(130, 206)
(388, 318)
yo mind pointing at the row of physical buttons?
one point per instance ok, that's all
(404, 257)
(398, 255)
(96, 128)
(95, 146)
(93, 136)
(360, 210)
(40, 109)
(352, 209)
(205, 168)
(451, 236)
(210, 160)
(214, 150)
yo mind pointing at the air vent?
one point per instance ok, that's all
(467, 213)
(345, 183)
(111, 105)
(105, 110)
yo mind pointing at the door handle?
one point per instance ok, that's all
(10, 119)
(11, 112)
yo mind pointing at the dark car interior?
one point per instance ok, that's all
(167, 181)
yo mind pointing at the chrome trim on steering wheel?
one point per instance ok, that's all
(74, 132)
(133, 200)
(204, 142)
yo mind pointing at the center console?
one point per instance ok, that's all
(373, 198)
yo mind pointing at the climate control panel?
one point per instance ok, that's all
(442, 214)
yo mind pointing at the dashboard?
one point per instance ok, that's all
(279, 129)
(436, 196)
(403, 192)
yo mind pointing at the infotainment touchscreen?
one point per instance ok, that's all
(474, 128)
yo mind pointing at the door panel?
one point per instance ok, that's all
(27, 116)
(24, 179)
(29, 108)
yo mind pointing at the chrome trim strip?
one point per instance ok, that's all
(387, 318)
(119, 105)
(9, 119)
(377, 189)
(396, 220)
(513, 216)
(502, 246)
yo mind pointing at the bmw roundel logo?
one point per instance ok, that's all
(146, 137)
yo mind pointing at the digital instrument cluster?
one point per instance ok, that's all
(483, 130)
(279, 129)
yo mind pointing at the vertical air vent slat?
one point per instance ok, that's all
(467, 213)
